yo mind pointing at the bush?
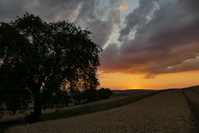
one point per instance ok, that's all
(91, 95)
(104, 93)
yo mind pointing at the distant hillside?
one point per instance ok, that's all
(193, 87)
(142, 91)
(130, 92)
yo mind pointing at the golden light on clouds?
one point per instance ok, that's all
(124, 6)
(75, 12)
(114, 16)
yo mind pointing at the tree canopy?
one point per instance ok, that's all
(39, 57)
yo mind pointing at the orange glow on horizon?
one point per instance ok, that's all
(134, 88)
(120, 81)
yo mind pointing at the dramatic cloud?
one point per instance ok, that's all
(101, 29)
(160, 36)
(115, 16)
(48, 10)
(98, 16)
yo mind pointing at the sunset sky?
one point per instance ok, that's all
(147, 44)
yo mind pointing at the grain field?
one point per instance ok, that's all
(195, 89)
(165, 112)
(193, 97)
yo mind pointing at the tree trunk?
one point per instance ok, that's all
(37, 106)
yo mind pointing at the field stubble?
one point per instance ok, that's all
(193, 99)
(165, 112)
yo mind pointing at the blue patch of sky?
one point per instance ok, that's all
(103, 9)
(132, 4)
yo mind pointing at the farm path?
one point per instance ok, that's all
(166, 112)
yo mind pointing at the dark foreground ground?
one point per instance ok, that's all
(166, 112)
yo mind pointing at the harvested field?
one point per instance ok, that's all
(193, 100)
(165, 112)
(192, 96)
(195, 89)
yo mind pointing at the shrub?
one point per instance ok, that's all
(104, 93)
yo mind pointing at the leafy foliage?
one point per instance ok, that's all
(41, 57)
(104, 93)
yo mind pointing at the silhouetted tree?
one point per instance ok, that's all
(104, 93)
(76, 96)
(59, 98)
(14, 99)
(42, 57)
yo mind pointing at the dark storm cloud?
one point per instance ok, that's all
(47, 9)
(138, 17)
(85, 13)
(101, 29)
(166, 39)
(10, 9)
(159, 36)
(55, 10)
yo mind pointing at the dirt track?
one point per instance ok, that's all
(166, 112)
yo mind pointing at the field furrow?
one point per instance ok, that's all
(192, 96)
(193, 100)
(167, 112)
(196, 90)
